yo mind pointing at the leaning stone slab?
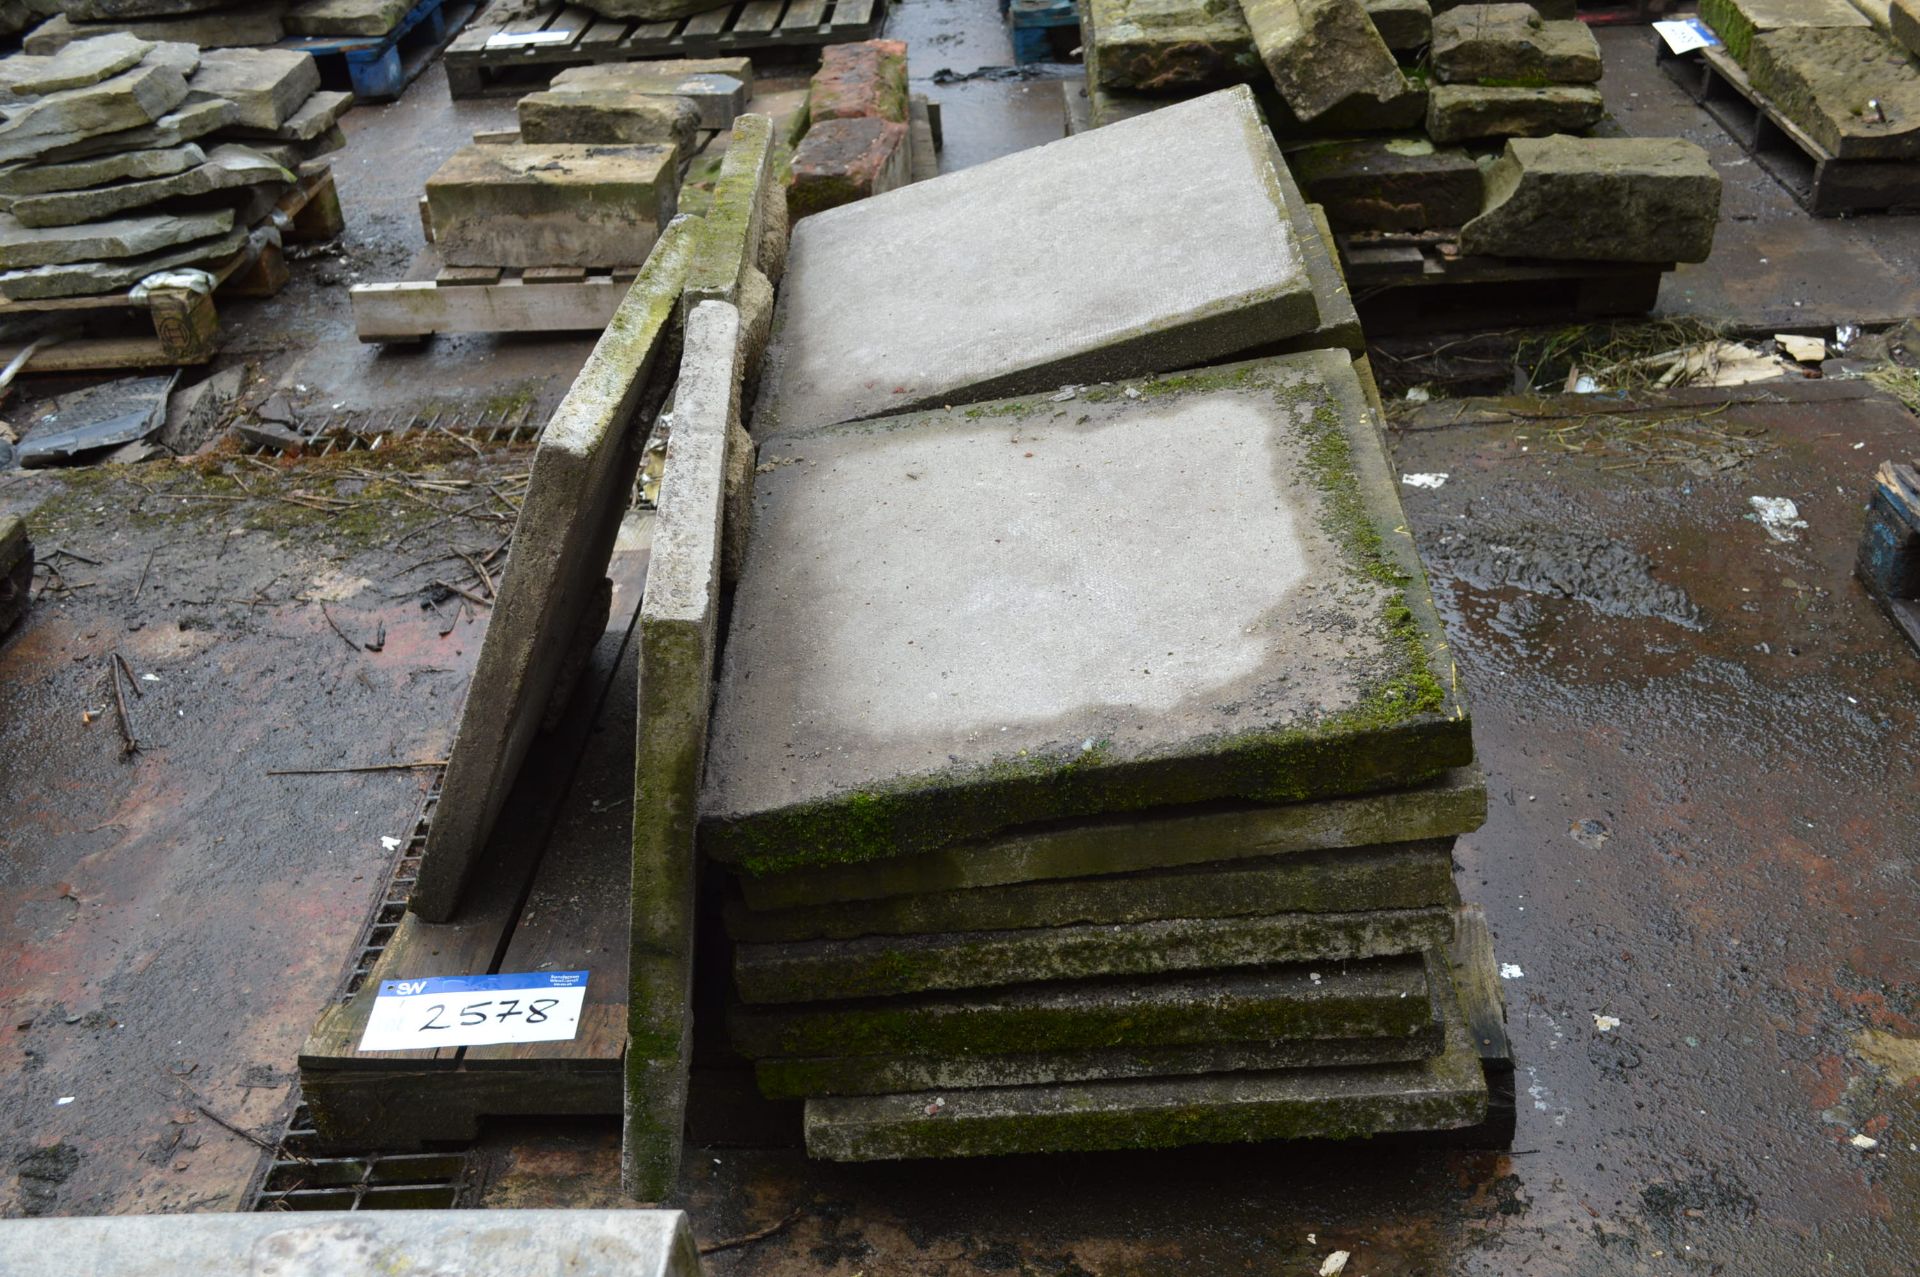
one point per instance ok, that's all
(1854, 92)
(1322, 53)
(252, 25)
(864, 80)
(1390, 184)
(551, 205)
(882, 966)
(1511, 44)
(840, 161)
(125, 101)
(1167, 46)
(36, 179)
(89, 279)
(1446, 1092)
(1455, 804)
(267, 85)
(1467, 112)
(738, 252)
(22, 246)
(192, 120)
(345, 17)
(1903, 24)
(679, 626)
(1394, 876)
(73, 67)
(317, 116)
(1598, 199)
(921, 297)
(608, 116)
(227, 168)
(862, 596)
(511, 1243)
(1737, 22)
(1405, 25)
(613, 73)
(582, 473)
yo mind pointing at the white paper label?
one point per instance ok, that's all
(475, 1010)
(527, 39)
(1684, 35)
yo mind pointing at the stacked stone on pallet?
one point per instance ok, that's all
(639, 102)
(1504, 71)
(859, 137)
(126, 157)
(216, 25)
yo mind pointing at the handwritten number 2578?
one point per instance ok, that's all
(473, 1014)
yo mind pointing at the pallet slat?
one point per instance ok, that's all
(758, 16)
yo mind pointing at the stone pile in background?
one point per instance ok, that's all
(216, 25)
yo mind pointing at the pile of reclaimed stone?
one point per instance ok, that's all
(861, 134)
(1086, 755)
(214, 24)
(125, 157)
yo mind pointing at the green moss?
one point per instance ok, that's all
(1516, 82)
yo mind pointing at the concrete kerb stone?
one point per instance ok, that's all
(582, 473)
(679, 619)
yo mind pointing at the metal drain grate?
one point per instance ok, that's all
(367, 430)
(393, 901)
(300, 1179)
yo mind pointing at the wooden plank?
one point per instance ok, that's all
(804, 18)
(409, 310)
(405, 1109)
(850, 14)
(710, 23)
(645, 35)
(571, 18)
(466, 276)
(553, 274)
(607, 31)
(758, 17)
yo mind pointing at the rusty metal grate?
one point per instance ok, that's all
(393, 901)
(301, 1178)
(367, 430)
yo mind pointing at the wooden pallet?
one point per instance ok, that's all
(476, 299)
(1821, 183)
(185, 323)
(378, 68)
(499, 54)
(1889, 560)
(1417, 281)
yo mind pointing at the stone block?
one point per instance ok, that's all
(192, 120)
(717, 98)
(608, 116)
(551, 205)
(266, 85)
(253, 25)
(1169, 46)
(88, 279)
(867, 80)
(116, 10)
(679, 624)
(125, 101)
(227, 168)
(840, 161)
(74, 66)
(1598, 199)
(1468, 112)
(1322, 54)
(180, 56)
(1405, 25)
(882, 966)
(1512, 46)
(76, 175)
(1737, 22)
(319, 115)
(614, 73)
(924, 296)
(1445, 1092)
(345, 17)
(1390, 184)
(512, 1243)
(736, 221)
(863, 595)
(1382, 997)
(22, 246)
(1903, 24)
(581, 478)
(1853, 91)
(1393, 876)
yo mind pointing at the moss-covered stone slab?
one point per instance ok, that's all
(1854, 92)
(1171, 46)
(1395, 876)
(1390, 184)
(1321, 54)
(797, 1079)
(1737, 22)
(960, 621)
(882, 966)
(1512, 44)
(1468, 112)
(1383, 997)
(1445, 1092)
(1598, 199)
(924, 297)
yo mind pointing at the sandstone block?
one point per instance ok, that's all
(1510, 44)
(616, 73)
(266, 85)
(608, 116)
(125, 101)
(86, 279)
(1405, 25)
(1396, 184)
(1598, 199)
(22, 246)
(1465, 112)
(1856, 93)
(1322, 53)
(867, 80)
(1737, 22)
(224, 28)
(1168, 46)
(843, 160)
(552, 205)
(318, 115)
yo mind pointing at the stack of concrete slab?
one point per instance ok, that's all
(125, 157)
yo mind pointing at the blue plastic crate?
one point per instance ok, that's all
(1029, 21)
(379, 67)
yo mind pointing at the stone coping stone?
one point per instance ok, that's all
(1737, 22)
(1903, 24)
(679, 625)
(908, 668)
(924, 296)
(1598, 199)
(885, 966)
(1468, 112)
(227, 168)
(125, 101)
(320, 113)
(866, 79)
(89, 279)
(345, 17)
(1511, 44)
(74, 66)
(253, 25)
(1824, 79)
(718, 98)
(729, 247)
(582, 473)
(24, 246)
(1390, 184)
(1445, 1092)
(556, 204)
(1381, 997)
(1393, 876)
(608, 116)
(612, 74)
(38, 179)
(1322, 54)
(1405, 25)
(401, 1243)
(192, 120)
(802, 1078)
(267, 85)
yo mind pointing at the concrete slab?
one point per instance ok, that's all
(557, 204)
(1855, 92)
(679, 627)
(897, 677)
(582, 473)
(266, 85)
(1188, 196)
(883, 966)
(1384, 997)
(1393, 876)
(402, 1243)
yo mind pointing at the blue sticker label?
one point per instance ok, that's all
(444, 986)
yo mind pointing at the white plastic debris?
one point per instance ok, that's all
(63, 1100)
(1510, 971)
(1334, 1264)
(1806, 350)
(1779, 516)
(391, 844)
(1419, 394)
(1433, 480)
(196, 281)
(1605, 1023)
(1858, 1141)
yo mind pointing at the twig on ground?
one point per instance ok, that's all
(757, 1235)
